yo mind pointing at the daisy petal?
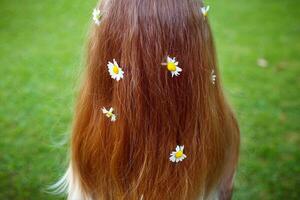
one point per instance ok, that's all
(113, 118)
(172, 159)
(104, 110)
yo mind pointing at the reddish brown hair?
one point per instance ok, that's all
(129, 158)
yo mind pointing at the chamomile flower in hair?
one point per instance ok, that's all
(213, 77)
(109, 114)
(97, 16)
(172, 66)
(115, 71)
(177, 155)
(205, 10)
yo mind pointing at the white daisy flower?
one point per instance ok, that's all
(172, 66)
(178, 155)
(115, 71)
(213, 77)
(205, 10)
(97, 16)
(262, 62)
(109, 114)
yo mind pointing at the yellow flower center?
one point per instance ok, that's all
(179, 154)
(109, 114)
(171, 66)
(115, 69)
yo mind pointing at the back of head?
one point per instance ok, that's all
(155, 109)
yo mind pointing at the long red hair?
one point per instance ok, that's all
(129, 158)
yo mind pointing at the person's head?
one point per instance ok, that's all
(155, 111)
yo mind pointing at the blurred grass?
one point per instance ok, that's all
(41, 50)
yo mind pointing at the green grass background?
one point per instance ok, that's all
(41, 55)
